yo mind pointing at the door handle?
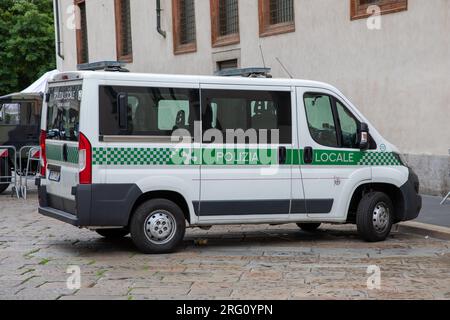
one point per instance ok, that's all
(282, 155)
(308, 155)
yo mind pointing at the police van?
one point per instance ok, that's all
(151, 155)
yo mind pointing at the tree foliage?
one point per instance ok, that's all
(27, 45)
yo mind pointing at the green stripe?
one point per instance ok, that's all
(260, 157)
(55, 153)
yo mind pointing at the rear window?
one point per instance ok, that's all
(63, 113)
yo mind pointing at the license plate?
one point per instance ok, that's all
(54, 176)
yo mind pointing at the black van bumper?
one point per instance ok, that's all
(412, 201)
(96, 205)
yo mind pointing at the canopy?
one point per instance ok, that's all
(33, 92)
(20, 97)
(39, 85)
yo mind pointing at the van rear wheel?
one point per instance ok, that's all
(374, 217)
(158, 226)
(113, 233)
(309, 227)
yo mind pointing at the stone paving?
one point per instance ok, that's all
(239, 262)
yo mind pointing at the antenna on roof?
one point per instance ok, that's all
(284, 68)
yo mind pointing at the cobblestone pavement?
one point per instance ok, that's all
(239, 262)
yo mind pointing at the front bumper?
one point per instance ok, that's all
(412, 201)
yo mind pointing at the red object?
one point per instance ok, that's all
(42, 139)
(85, 150)
(4, 153)
(36, 154)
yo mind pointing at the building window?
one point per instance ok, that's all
(227, 64)
(224, 22)
(81, 33)
(275, 17)
(184, 32)
(124, 41)
(359, 8)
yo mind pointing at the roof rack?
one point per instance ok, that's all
(113, 66)
(253, 72)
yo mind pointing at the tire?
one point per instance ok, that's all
(374, 217)
(158, 226)
(4, 182)
(309, 227)
(113, 233)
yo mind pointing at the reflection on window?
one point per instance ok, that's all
(259, 110)
(349, 127)
(319, 112)
(10, 114)
(63, 113)
(151, 111)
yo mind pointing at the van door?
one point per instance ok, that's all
(61, 147)
(330, 154)
(246, 167)
(152, 145)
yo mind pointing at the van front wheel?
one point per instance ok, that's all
(374, 217)
(158, 226)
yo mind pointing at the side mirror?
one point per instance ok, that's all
(363, 136)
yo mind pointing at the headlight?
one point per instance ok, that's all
(401, 158)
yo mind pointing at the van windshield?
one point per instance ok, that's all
(63, 113)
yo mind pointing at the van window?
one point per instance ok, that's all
(238, 109)
(349, 127)
(319, 112)
(10, 114)
(151, 111)
(63, 113)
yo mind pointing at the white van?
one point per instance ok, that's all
(152, 154)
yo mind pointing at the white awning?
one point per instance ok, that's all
(39, 85)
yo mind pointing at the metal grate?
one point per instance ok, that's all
(125, 25)
(187, 21)
(83, 34)
(281, 11)
(228, 17)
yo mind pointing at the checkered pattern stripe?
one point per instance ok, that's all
(99, 156)
(54, 152)
(166, 156)
(132, 156)
(72, 154)
(378, 159)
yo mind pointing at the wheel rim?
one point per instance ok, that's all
(160, 227)
(381, 217)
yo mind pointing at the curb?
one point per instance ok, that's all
(424, 229)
